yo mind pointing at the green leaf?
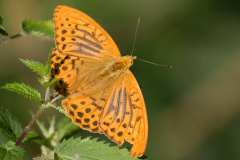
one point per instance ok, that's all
(47, 154)
(90, 149)
(24, 90)
(64, 128)
(42, 70)
(37, 67)
(45, 157)
(49, 82)
(10, 128)
(10, 151)
(38, 28)
(2, 29)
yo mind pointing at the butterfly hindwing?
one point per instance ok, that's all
(124, 117)
(84, 110)
(76, 33)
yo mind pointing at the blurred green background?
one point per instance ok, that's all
(194, 108)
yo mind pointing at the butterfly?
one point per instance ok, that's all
(101, 93)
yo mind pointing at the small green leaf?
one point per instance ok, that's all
(49, 83)
(10, 151)
(42, 70)
(10, 128)
(90, 149)
(37, 67)
(24, 90)
(38, 28)
(2, 29)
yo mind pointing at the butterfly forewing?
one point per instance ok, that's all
(73, 71)
(77, 33)
(63, 68)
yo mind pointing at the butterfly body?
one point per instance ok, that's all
(116, 67)
(101, 93)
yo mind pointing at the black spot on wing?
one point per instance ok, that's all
(74, 106)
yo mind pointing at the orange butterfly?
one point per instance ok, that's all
(102, 94)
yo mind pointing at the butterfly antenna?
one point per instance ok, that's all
(155, 64)
(135, 35)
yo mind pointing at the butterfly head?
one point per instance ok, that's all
(123, 63)
(127, 61)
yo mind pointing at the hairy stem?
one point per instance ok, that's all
(35, 117)
(29, 127)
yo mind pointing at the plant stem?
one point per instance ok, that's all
(35, 117)
(29, 127)
(18, 35)
(15, 36)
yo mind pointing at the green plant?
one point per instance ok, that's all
(55, 141)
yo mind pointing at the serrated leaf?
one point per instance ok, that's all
(10, 151)
(37, 67)
(24, 90)
(90, 149)
(38, 28)
(41, 69)
(2, 29)
(43, 157)
(10, 128)
(64, 128)
(47, 154)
